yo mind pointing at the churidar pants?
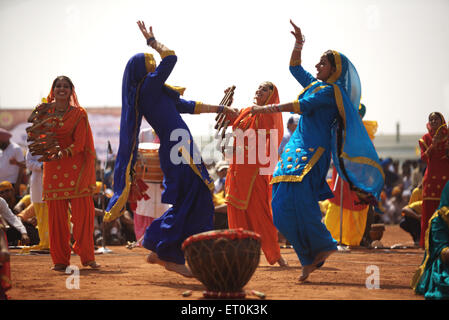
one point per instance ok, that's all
(258, 218)
(82, 218)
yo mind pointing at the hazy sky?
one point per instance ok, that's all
(400, 49)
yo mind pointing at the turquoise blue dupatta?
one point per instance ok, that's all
(353, 152)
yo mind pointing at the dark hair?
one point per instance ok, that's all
(62, 78)
(437, 114)
(292, 120)
(330, 56)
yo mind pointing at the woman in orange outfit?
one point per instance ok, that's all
(69, 178)
(248, 189)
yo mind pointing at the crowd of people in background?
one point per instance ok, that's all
(89, 206)
(403, 178)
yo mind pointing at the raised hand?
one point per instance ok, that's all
(146, 33)
(297, 33)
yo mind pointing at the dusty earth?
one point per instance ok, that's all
(126, 276)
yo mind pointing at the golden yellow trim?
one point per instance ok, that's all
(116, 210)
(186, 155)
(306, 88)
(244, 206)
(318, 88)
(431, 198)
(198, 107)
(425, 145)
(316, 156)
(167, 53)
(73, 196)
(291, 178)
(364, 160)
(334, 77)
(442, 212)
(295, 63)
(287, 178)
(341, 108)
(179, 90)
(150, 63)
(296, 107)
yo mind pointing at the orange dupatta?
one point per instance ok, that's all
(241, 176)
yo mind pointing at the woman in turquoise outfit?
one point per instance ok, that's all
(432, 277)
(187, 185)
(329, 127)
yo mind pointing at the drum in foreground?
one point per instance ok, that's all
(223, 260)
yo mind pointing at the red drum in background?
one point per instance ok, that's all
(148, 166)
(223, 260)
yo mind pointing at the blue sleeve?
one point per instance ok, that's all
(156, 79)
(301, 75)
(320, 99)
(185, 106)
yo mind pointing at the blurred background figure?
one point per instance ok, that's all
(219, 196)
(12, 162)
(292, 123)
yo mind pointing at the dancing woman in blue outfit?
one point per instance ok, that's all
(187, 185)
(329, 127)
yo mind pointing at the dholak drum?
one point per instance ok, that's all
(148, 166)
(223, 260)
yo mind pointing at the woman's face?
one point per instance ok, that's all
(324, 69)
(262, 94)
(435, 121)
(62, 90)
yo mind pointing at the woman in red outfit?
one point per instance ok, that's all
(434, 151)
(69, 178)
(248, 189)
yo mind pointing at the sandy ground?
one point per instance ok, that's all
(126, 276)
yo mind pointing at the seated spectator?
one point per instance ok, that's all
(394, 205)
(116, 232)
(411, 215)
(20, 230)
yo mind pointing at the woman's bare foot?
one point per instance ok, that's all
(153, 258)
(282, 262)
(321, 257)
(318, 261)
(170, 266)
(306, 271)
(178, 268)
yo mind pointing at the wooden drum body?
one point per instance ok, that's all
(148, 166)
(223, 260)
